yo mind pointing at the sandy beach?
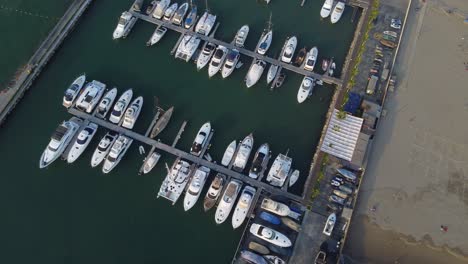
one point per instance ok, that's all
(417, 176)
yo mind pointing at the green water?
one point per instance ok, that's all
(75, 214)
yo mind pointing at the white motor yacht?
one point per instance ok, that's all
(151, 162)
(265, 43)
(288, 49)
(187, 47)
(120, 107)
(330, 224)
(103, 148)
(230, 64)
(306, 89)
(191, 17)
(260, 161)
(272, 236)
(272, 71)
(243, 154)
(205, 55)
(214, 191)
(229, 153)
(243, 206)
(241, 36)
(73, 90)
(255, 72)
(195, 187)
(175, 181)
(217, 60)
(311, 59)
(132, 113)
(337, 12)
(279, 171)
(159, 32)
(326, 8)
(82, 141)
(58, 142)
(227, 201)
(201, 139)
(126, 22)
(106, 103)
(179, 16)
(91, 95)
(275, 207)
(170, 11)
(117, 151)
(160, 9)
(205, 24)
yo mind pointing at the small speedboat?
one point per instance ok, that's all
(280, 80)
(179, 15)
(326, 8)
(120, 107)
(227, 201)
(259, 248)
(305, 90)
(265, 43)
(195, 187)
(241, 36)
(272, 236)
(288, 49)
(293, 178)
(243, 206)
(82, 141)
(252, 257)
(201, 139)
(217, 60)
(103, 148)
(157, 36)
(259, 161)
(311, 59)
(73, 90)
(170, 11)
(255, 72)
(205, 55)
(325, 63)
(106, 103)
(132, 113)
(230, 64)
(151, 162)
(191, 17)
(214, 191)
(274, 259)
(337, 12)
(330, 224)
(272, 71)
(229, 153)
(58, 142)
(291, 223)
(300, 57)
(270, 218)
(331, 71)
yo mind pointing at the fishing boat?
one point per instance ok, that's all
(118, 150)
(82, 141)
(106, 103)
(260, 160)
(58, 142)
(179, 15)
(151, 162)
(243, 154)
(125, 24)
(291, 223)
(241, 36)
(388, 43)
(265, 40)
(229, 153)
(120, 107)
(325, 63)
(205, 55)
(288, 49)
(272, 71)
(259, 248)
(252, 257)
(274, 259)
(73, 90)
(279, 171)
(91, 95)
(175, 181)
(159, 32)
(270, 218)
(227, 201)
(195, 187)
(162, 122)
(132, 113)
(306, 89)
(330, 224)
(337, 12)
(311, 59)
(103, 148)
(326, 8)
(275, 207)
(201, 140)
(243, 206)
(160, 9)
(187, 47)
(191, 17)
(255, 72)
(270, 235)
(214, 191)
(170, 11)
(293, 178)
(300, 57)
(217, 61)
(230, 64)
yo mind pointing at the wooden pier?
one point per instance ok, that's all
(184, 155)
(179, 134)
(252, 54)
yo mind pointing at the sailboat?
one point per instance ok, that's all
(266, 39)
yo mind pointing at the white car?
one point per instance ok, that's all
(396, 23)
(335, 183)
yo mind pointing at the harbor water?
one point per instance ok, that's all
(73, 213)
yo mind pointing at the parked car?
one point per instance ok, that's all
(335, 183)
(396, 23)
